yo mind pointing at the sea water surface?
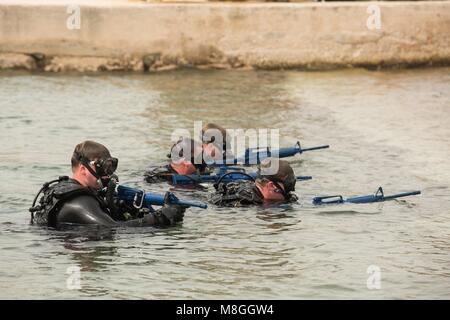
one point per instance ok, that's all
(384, 128)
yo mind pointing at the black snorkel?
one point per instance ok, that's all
(104, 169)
(224, 150)
(107, 180)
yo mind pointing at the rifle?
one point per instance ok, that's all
(141, 199)
(377, 197)
(256, 155)
(225, 174)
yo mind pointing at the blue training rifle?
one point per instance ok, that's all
(141, 199)
(377, 197)
(225, 174)
(256, 155)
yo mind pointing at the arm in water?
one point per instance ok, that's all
(87, 210)
(141, 199)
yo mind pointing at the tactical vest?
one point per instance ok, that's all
(240, 193)
(159, 174)
(236, 194)
(165, 173)
(54, 198)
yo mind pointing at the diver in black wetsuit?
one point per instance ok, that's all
(271, 186)
(188, 155)
(186, 159)
(85, 198)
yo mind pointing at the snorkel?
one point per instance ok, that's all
(104, 169)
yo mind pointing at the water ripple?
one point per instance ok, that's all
(384, 128)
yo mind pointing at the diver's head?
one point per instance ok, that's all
(275, 185)
(186, 156)
(214, 142)
(92, 164)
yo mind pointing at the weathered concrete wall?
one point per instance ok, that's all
(137, 36)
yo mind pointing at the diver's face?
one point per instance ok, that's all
(183, 167)
(211, 151)
(270, 191)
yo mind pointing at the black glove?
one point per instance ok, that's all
(171, 213)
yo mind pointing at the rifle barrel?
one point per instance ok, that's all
(404, 194)
(315, 148)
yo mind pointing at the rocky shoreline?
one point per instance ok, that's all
(282, 36)
(156, 63)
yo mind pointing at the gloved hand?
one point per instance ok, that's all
(171, 213)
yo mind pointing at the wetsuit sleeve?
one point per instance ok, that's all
(86, 209)
(167, 216)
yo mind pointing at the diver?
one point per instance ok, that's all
(198, 160)
(269, 187)
(216, 144)
(186, 158)
(85, 199)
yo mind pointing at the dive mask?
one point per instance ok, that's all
(106, 166)
(288, 184)
(104, 169)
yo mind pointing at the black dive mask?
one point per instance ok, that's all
(104, 169)
(225, 148)
(284, 191)
(289, 184)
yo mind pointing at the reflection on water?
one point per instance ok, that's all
(385, 129)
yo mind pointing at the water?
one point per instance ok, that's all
(387, 129)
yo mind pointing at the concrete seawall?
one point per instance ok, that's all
(152, 36)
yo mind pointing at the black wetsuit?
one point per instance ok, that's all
(240, 193)
(165, 173)
(159, 174)
(69, 203)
